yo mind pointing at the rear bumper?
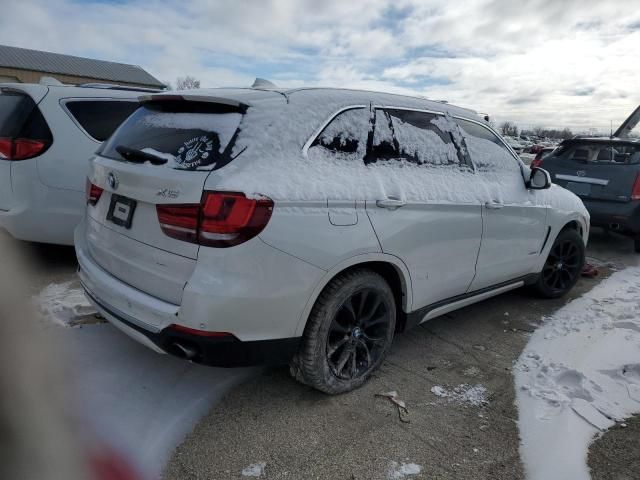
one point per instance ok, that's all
(263, 324)
(624, 215)
(215, 352)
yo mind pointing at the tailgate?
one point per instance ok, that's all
(161, 156)
(17, 104)
(140, 253)
(596, 172)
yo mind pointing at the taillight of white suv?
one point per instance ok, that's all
(221, 219)
(21, 148)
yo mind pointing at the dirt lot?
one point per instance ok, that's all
(297, 432)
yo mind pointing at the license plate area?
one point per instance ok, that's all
(580, 189)
(121, 211)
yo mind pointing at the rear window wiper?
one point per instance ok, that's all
(138, 156)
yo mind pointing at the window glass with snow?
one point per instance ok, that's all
(486, 150)
(344, 138)
(414, 137)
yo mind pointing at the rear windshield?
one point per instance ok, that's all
(600, 152)
(100, 118)
(21, 118)
(186, 135)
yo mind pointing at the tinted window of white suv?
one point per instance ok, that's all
(100, 118)
(344, 137)
(412, 136)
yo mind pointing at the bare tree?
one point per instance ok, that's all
(509, 128)
(187, 83)
(538, 131)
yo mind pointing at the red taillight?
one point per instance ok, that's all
(93, 192)
(21, 148)
(199, 333)
(222, 219)
(180, 221)
(6, 148)
(635, 192)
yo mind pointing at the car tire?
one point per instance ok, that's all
(563, 265)
(636, 243)
(348, 334)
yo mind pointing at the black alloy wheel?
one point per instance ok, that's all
(358, 334)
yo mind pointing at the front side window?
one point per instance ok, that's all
(100, 118)
(487, 151)
(416, 137)
(345, 137)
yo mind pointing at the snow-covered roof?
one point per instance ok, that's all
(315, 96)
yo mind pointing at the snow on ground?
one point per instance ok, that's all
(62, 303)
(140, 402)
(398, 471)
(579, 373)
(475, 395)
(254, 470)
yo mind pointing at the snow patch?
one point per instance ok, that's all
(62, 303)
(578, 375)
(475, 395)
(398, 471)
(254, 470)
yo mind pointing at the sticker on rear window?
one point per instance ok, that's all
(197, 152)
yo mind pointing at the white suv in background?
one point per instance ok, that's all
(48, 133)
(243, 226)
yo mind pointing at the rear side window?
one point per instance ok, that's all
(185, 135)
(345, 137)
(600, 153)
(487, 150)
(414, 137)
(100, 118)
(24, 132)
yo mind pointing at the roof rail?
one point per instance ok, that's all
(109, 86)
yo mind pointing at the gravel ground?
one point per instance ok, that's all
(297, 432)
(616, 455)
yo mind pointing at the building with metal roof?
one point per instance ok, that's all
(29, 66)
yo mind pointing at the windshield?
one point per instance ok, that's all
(189, 136)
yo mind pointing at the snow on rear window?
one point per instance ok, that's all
(224, 124)
(187, 140)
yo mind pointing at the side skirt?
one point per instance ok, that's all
(454, 303)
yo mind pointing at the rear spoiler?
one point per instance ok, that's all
(628, 125)
(242, 107)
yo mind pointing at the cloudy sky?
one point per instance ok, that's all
(551, 63)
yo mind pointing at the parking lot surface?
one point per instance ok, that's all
(453, 373)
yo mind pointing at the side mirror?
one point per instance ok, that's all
(539, 179)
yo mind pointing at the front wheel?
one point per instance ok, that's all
(348, 334)
(636, 243)
(563, 266)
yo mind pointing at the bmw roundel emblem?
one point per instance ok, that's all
(112, 180)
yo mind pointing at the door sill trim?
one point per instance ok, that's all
(454, 303)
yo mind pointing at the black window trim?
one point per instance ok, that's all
(64, 101)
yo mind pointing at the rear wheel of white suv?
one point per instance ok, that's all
(348, 334)
(563, 266)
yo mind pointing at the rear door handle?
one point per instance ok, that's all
(390, 203)
(494, 205)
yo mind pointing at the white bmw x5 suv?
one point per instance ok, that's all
(245, 226)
